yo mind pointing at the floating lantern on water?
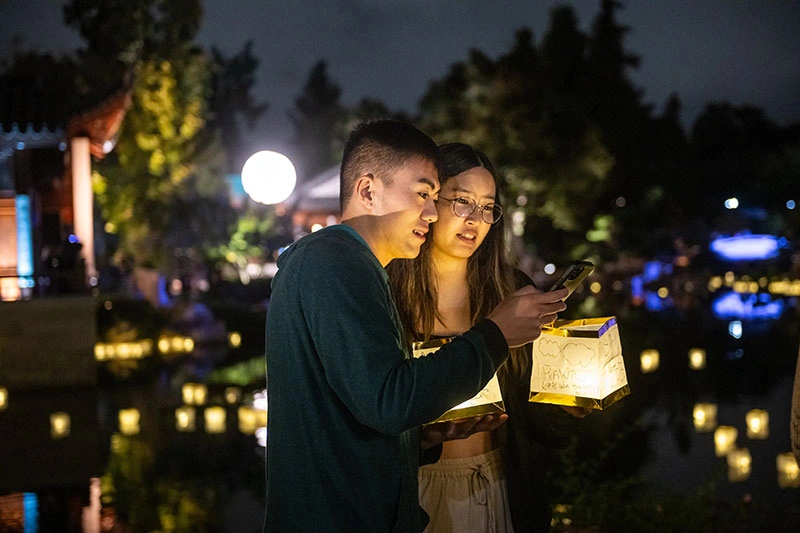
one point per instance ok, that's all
(185, 418)
(215, 419)
(194, 393)
(59, 425)
(697, 358)
(739, 465)
(247, 419)
(649, 360)
(705, 417)
(757, 424)
(129, 421)
(725, 440)
(788, 470)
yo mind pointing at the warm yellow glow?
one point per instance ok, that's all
(730, 277)
(233, 394)
(714, 283)
(83, 200)
(59, 425)
(316, 227)
(3, 398)
(662, 292)
(261, 418)
(247, 420)
(194, 393)
(188, 344)
(705, 417)
(215, 419)
(788, 470)
(725, 440)
(9, 289)
(234, 339)
(697, 359)
(104, 351)
(649, 360)
(596, 287)
(757, 424)
(129, 421)
(739, 464)
(185, 418)
(163, 344)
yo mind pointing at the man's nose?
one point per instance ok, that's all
(429, 212)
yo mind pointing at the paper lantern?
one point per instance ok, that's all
(649, 361)
(788, 470)
(757, 424)
(185, 418)
(487, 401)
(739, 464)
(705, 417)
(129, 421)
(59, 425)
(697, 359)
(579, 363)
(725, 440)
(247, 419)
(194, 393)
(215, 419)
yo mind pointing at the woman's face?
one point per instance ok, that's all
(458, 237)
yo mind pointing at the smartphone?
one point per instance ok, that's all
(573, 276)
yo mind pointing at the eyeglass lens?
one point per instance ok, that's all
(464, 207)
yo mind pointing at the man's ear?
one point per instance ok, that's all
(365, 190)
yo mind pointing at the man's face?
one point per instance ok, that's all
(404, 209)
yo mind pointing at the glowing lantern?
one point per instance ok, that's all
(247, 419)
(215, 419)
(788, 470)
(59, 425)
(268, 177)
(234, 339)
(579, 363)
(697, 358)
(129, 421)
(705, 417)
(233, 394)
(739, 464)
(194, 393)
(3, 398)
(757, 424)
(649, 361)
(185, 418)
(725, 440)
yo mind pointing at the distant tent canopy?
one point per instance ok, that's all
(315, 201)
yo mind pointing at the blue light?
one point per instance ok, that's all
(30, 512)
(746, 247)
(72, 238)
(20, 145)
(747, 306)
(22, 204)
(791, 204)
(637, 287)
(732, 203)
(735, 329)
(652, 270)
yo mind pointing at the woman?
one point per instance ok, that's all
(490, 481)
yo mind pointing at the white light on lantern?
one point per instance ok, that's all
(697, 359)
(185, 418)
(268, 177)
(649, 360)
(705, 417)
(788, 470)
(739, 464)
(725, 440)
(215, 419)
(59, 425)
(129, 421)
(757, 424)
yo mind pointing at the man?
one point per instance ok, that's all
(346, 399)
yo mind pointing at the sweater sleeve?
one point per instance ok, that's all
(351, 317)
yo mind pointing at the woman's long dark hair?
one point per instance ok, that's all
(490, 275)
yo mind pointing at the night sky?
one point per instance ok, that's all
(739, 51)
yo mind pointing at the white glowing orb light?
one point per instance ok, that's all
(268, 177)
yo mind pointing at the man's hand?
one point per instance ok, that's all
(462, 428)
(522, 315)
(577, 412)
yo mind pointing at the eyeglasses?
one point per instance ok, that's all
(463, 207)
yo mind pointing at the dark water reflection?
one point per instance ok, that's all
(644, 445)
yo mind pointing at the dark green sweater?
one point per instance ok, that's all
(345, 398)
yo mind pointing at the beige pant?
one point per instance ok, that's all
(466, 495)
